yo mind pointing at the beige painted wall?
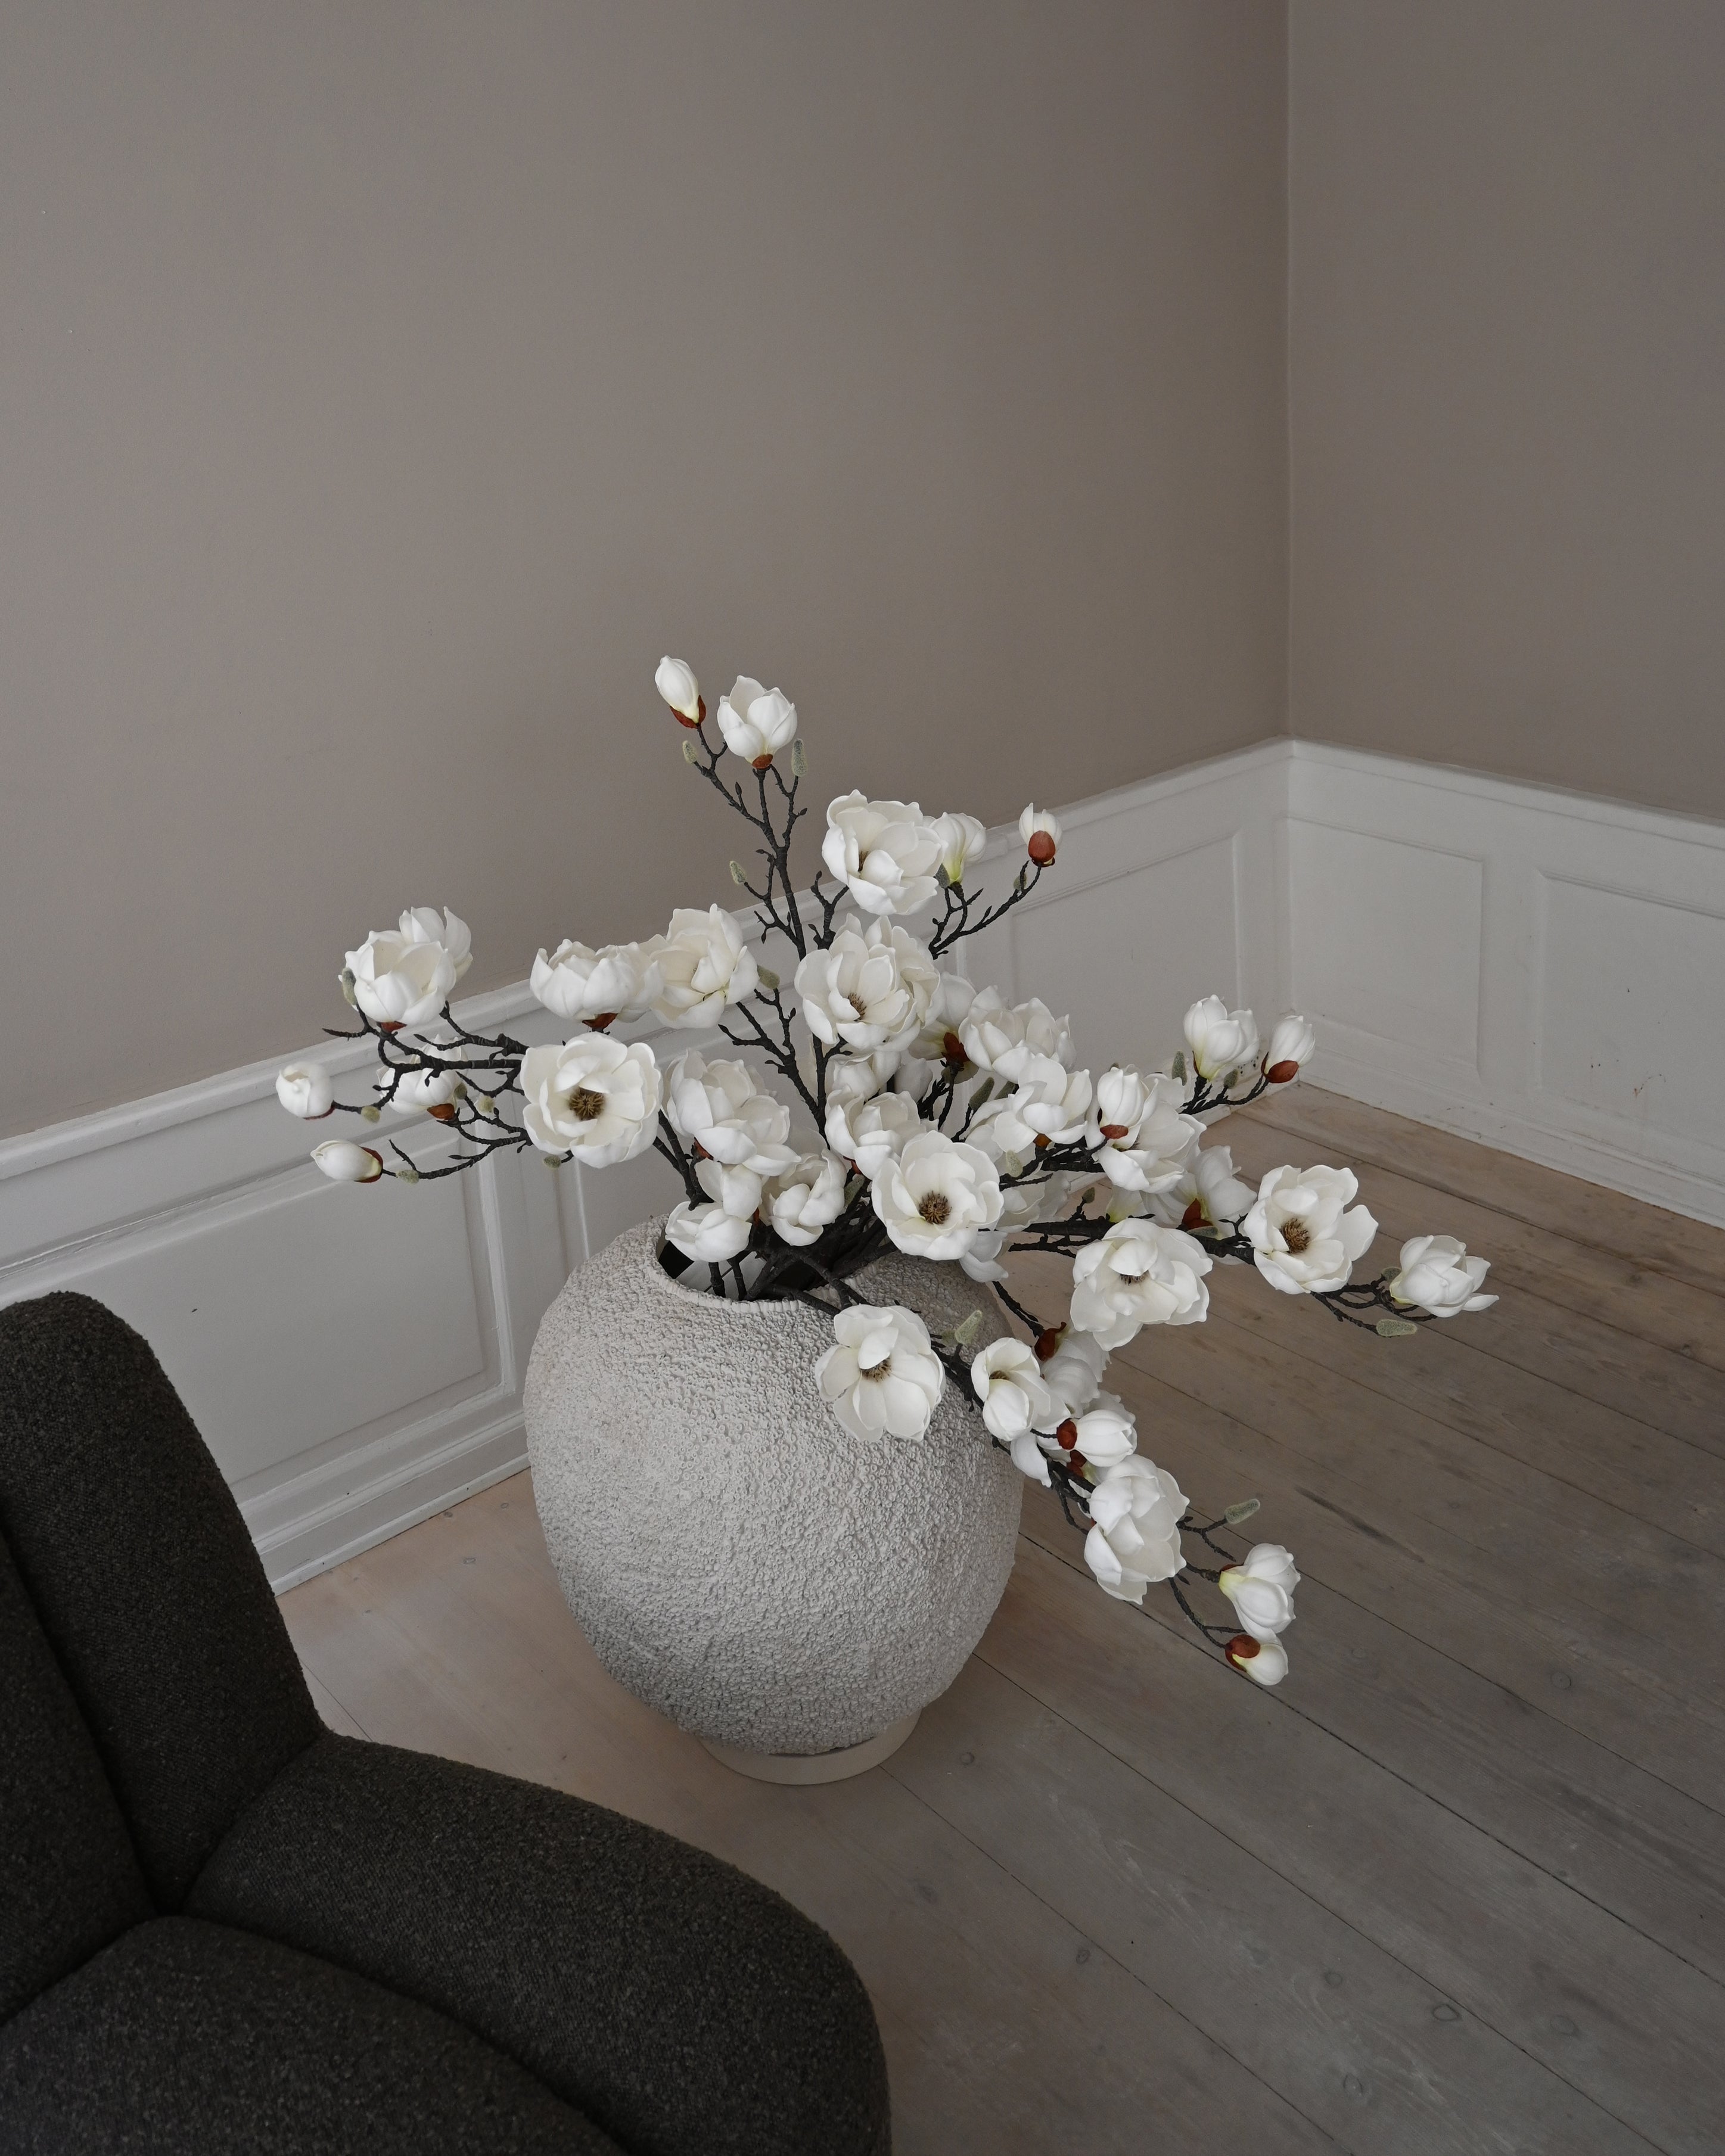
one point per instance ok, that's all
(384, 387)
(1507, 408)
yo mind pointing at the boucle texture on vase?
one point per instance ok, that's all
(738, 1558)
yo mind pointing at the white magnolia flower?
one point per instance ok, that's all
(804, 1199)
(885, 851)
(344, 1162)
(1302, 1240)
(404, 975)
(756, 722)
(854, 1078)
(1021, 1205)
(881, 1374)
(1048, 1101)
(1007, 1379)
(1265, 1661)
(961, 838)
(718, 1106)
(702, 965)
(1261, 1589)
(1438, 1275)
(1003, 1038)
(937, 1196)
(676, 683)
(1220, 1039)
(871, 988)
(1136, 1508)
(1040, 833)
(1292, 1044)
(736, 1189)
(1138, 1273)
(1209, 1194)
(708, 1234)
(1104, 1434)
(581, 985)
(304, 1089)
(875, 1130)
(592, 1097)
(1140, 1140)
(1073, 1373)
(416, 1089)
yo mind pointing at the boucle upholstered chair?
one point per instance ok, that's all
(225, 1929)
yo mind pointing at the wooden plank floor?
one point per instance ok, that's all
(1458, 1886)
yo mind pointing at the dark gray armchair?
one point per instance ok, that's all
(224, 1928)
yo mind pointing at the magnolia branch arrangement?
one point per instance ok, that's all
(932, 1118)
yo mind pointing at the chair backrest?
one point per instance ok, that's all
(135, 1575)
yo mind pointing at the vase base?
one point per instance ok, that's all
(804, 1768)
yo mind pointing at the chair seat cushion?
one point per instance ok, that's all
(184, 2037)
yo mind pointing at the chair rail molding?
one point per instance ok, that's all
(1542, 971)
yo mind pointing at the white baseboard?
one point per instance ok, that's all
(1538, 970)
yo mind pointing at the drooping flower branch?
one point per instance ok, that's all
(932, 1118)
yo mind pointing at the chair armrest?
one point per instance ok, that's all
(679, 2004)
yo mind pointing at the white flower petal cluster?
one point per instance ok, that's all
(881, 1376)
(1005, 1038)
(756, 722)
(1261, 1589)
(854, 1078)
(344, 1162)
(1048, 1102)
(885, 852)
(1208, 1193)
(1073, 1373)
(1104, 1435)
(718, 1106)
(416, 1089)
(581, 985)
(1438, 1275)
(1293, 1045)
(1021, 1205)
(676, 683)
(592, 1097)
(701, 965)
(1136, 1510)
(1142, 1142)
(405, 975)
(720, 1229)
(1007, 1380)
(804, 1199)
(1303, 1239)
(1040, 833)
(937, 1196)
(1138, 1273)
(871, 988)
(1220, 1039)
(304, 1090)
(963, 839)
(875, 1130)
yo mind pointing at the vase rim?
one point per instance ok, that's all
(781, 1310)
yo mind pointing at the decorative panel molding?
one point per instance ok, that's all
(1541, 971)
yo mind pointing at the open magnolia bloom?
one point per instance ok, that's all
(885, 1107)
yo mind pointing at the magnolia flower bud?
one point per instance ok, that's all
(1291, 1044)
(1040, 833)
(676, 683)
(304, 1089)
(963, 839)
(1265, 1661)
(344, 1162)
(756, 722)
(1437, 1274)
(1221, 1040)
(1262, 1590)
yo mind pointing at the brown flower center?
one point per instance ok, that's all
(1296, 1235)
(935, 1209)
(586, 1106)
(877, 1370)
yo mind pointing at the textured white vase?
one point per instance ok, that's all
(738, 1558)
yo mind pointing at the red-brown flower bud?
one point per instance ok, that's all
(1041, 848)
(1193, 1217)
(1279, 1074)
(443, 1112)
(1048, 1343)
(1067, 1435)
(1241, 1649)
(762, 763)
(1114, 1130)
(953, 1048)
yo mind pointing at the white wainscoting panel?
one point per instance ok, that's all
(1542, 971)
